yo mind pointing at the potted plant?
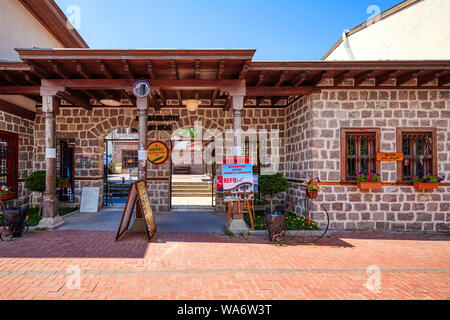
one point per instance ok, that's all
(6, 193)
(271, 185)
(36, 182)
(369, 181)
(427, 182)
(312, 187)
(63, 183)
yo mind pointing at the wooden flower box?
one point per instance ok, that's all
(426, 186)
(369, 185)
(7, 196)
(64, 185)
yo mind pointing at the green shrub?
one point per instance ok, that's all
(271, 185)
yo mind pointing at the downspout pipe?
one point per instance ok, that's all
(347, 45)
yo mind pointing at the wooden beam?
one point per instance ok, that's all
(220, 71)
(281, 79)
(173, 69)
(20, 90)
(340, 77)
(425, 77)
(299, 79)
(30, 79)
(244, 70)
(404, 78)
(443, 80)
(75, 99)
(167, 84)
(56, 68)
(197, 69)
(150, 69)
(127, 69)
(104, 69)
(9, 78)
(16, 110)
(280, 91)
(38, 71)
(179, 97)
(315, 81)
(227, 104)
(81, 69)
(360, 78)
(382, 78)
(262, 74)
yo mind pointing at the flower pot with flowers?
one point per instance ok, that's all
(6, 193)
(427, 182)
(312, 187)
(369, 181)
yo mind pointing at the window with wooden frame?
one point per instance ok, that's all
(359, 148)
(129, 159)
(9, 161)
(418, 146)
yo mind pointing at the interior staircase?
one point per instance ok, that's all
(191, 189)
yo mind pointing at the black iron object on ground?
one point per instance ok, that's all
(275, 222)
(14, 221)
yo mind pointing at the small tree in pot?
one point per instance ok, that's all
(36, 182)
(271, 185)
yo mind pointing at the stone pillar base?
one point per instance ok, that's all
(139, 226)
(51, 223)
(238, 226)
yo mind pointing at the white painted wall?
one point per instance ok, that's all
(20, 29)
(419, 32)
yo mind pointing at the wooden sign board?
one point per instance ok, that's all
(90, 199)
(387, 157)
(138, 194)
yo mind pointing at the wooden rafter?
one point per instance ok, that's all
(404, 78)
(382, 78)
(262, 75)
(425, 77)
(81, 69)
(150, 69)
(30, 79)
(9, 78)
(227, 104)
(38, 71)
(104, 69)
(127, 69)
(360, 78)
(281, 79)
(197, 69)
(174, 75)
(340, 77)
(299, 79)
(444, 79)
(244, 70)
(220, 71)
(75, 99)
(319, 77)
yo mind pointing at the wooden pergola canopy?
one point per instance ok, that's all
(90, 74)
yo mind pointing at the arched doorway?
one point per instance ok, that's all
(120, 165)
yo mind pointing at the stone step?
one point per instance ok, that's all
(191, 195)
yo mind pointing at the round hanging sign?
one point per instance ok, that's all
(141, 89)
(157, 152)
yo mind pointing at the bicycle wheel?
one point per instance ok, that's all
(314, 217)
(6, 233)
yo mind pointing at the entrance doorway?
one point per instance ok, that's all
(192, 180)
(120, 165)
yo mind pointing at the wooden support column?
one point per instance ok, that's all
(237, 224)
(50, 205)
(142, 106)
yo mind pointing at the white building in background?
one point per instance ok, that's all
(412, 30)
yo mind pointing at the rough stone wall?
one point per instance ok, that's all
(24, 128)
(89, 128)
(394, 207)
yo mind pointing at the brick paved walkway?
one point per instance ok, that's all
(208, 266)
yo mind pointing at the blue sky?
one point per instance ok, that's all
(279, 29)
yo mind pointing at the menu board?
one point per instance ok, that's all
(138, 191)
(146, 208)
(90, 199)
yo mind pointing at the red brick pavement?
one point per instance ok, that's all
(207, 266)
